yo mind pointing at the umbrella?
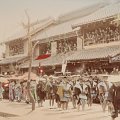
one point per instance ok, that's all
(41, 79)
(13, 77)
(114, 78)
(3, 80)
(33, 76)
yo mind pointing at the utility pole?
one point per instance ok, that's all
(30, 54)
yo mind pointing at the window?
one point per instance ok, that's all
(16, 48)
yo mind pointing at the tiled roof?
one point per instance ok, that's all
(63, 23)
(105, 12)
(95, 53)
(11, 60)
(51, 61)
(55, 60)
(35, 27)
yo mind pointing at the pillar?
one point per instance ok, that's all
(7, 51)
(79, 43)
(36, 51)
(53, 48)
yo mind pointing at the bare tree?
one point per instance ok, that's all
(30, 54)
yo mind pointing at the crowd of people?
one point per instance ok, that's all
(45, 48)
(102, 32)
(65, 46)
(80, 90)
(96, 71)
(114, 71)
(16, 48)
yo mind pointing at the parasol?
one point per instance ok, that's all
(3, 80)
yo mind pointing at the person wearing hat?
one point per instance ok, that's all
(66, 94)
(50, 92)
(83, 95)
(41, 93)
(103, 88)
(114, 99)
(33, 86)
(59, 94)
(18, 91)
(11, 91)
(77, 91)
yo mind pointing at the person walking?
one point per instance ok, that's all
(83, 95)
(77, 91)
(41, 93)
(11, 91)
(1, 91)
(114, 100)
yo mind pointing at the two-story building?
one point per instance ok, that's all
(60, 39)
(53, 36)
(100, 32)
(17, 46)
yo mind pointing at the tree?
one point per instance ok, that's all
(30, 55)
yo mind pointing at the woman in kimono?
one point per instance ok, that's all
(1, 91)
(11, 91)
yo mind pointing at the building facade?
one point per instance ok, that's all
(63, 37)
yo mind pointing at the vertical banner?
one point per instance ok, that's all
(64, 64)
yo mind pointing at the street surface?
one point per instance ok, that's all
(22, 111)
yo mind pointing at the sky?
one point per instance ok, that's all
(12, 12)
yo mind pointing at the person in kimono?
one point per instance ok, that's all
(11, 91)
(18, 91)
(76, 95)
(1, 91)
(114, 99)
(83, 95)
(33, 86)
(66, 94)
(41, 93)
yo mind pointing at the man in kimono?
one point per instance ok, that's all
(114, 99)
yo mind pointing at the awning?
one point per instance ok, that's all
(35, 63)
(11, 60)
(95, 53)
(51, 61)
(104, 12)
(56, 60)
